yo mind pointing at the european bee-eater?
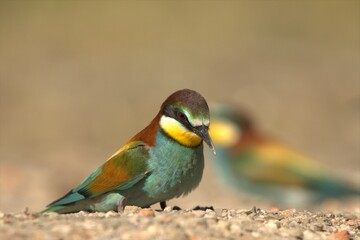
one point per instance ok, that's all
(163, 161)
(257, 164)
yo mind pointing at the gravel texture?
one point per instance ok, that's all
(197, 223)
(74, 89)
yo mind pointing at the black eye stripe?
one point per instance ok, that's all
(183, 119)
(181, 115)
(174, 113)
(201, 127)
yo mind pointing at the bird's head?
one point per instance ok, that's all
(185, 117)
(228, 125)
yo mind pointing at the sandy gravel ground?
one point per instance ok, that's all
(78, 80)
(198, 223)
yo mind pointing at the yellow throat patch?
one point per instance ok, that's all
(224, 133)
(178, 132)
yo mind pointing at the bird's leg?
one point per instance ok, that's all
(163, 205)
(120, 207)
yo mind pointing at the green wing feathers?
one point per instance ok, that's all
(123, 170)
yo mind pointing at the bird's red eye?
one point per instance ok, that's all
(181, 115)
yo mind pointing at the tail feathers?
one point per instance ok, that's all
(52, 209)
(70, 197)
(72, 208)
(337, 189)
(325, 183)
(101, 203)
(66, 203)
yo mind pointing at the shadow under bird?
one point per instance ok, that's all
(254, 163)
(163, 161)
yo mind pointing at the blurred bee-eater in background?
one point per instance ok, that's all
(257, 164)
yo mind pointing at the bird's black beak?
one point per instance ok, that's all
(203, 132)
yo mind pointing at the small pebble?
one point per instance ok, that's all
(310, 235)
(342, 235)
(211, 214)
(198, 213)
(147, 212)
(353, 223)
(235, 228)
(223, 225)
(131, 209)
(62, 228)
(275, 209)
(111, 214)
(294, 224)
(316, 227)
(168, 209)
(273, 224)
(208, 210)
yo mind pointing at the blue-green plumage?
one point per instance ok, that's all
(175, 169)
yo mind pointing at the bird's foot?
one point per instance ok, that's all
(163, 205)
(171, 208)
(177, 208)
(203, 208)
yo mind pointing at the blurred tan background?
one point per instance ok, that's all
(79, 78)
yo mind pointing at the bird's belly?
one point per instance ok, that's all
(175, 178)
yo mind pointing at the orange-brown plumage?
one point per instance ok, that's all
(110, 177)
(148, 134)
